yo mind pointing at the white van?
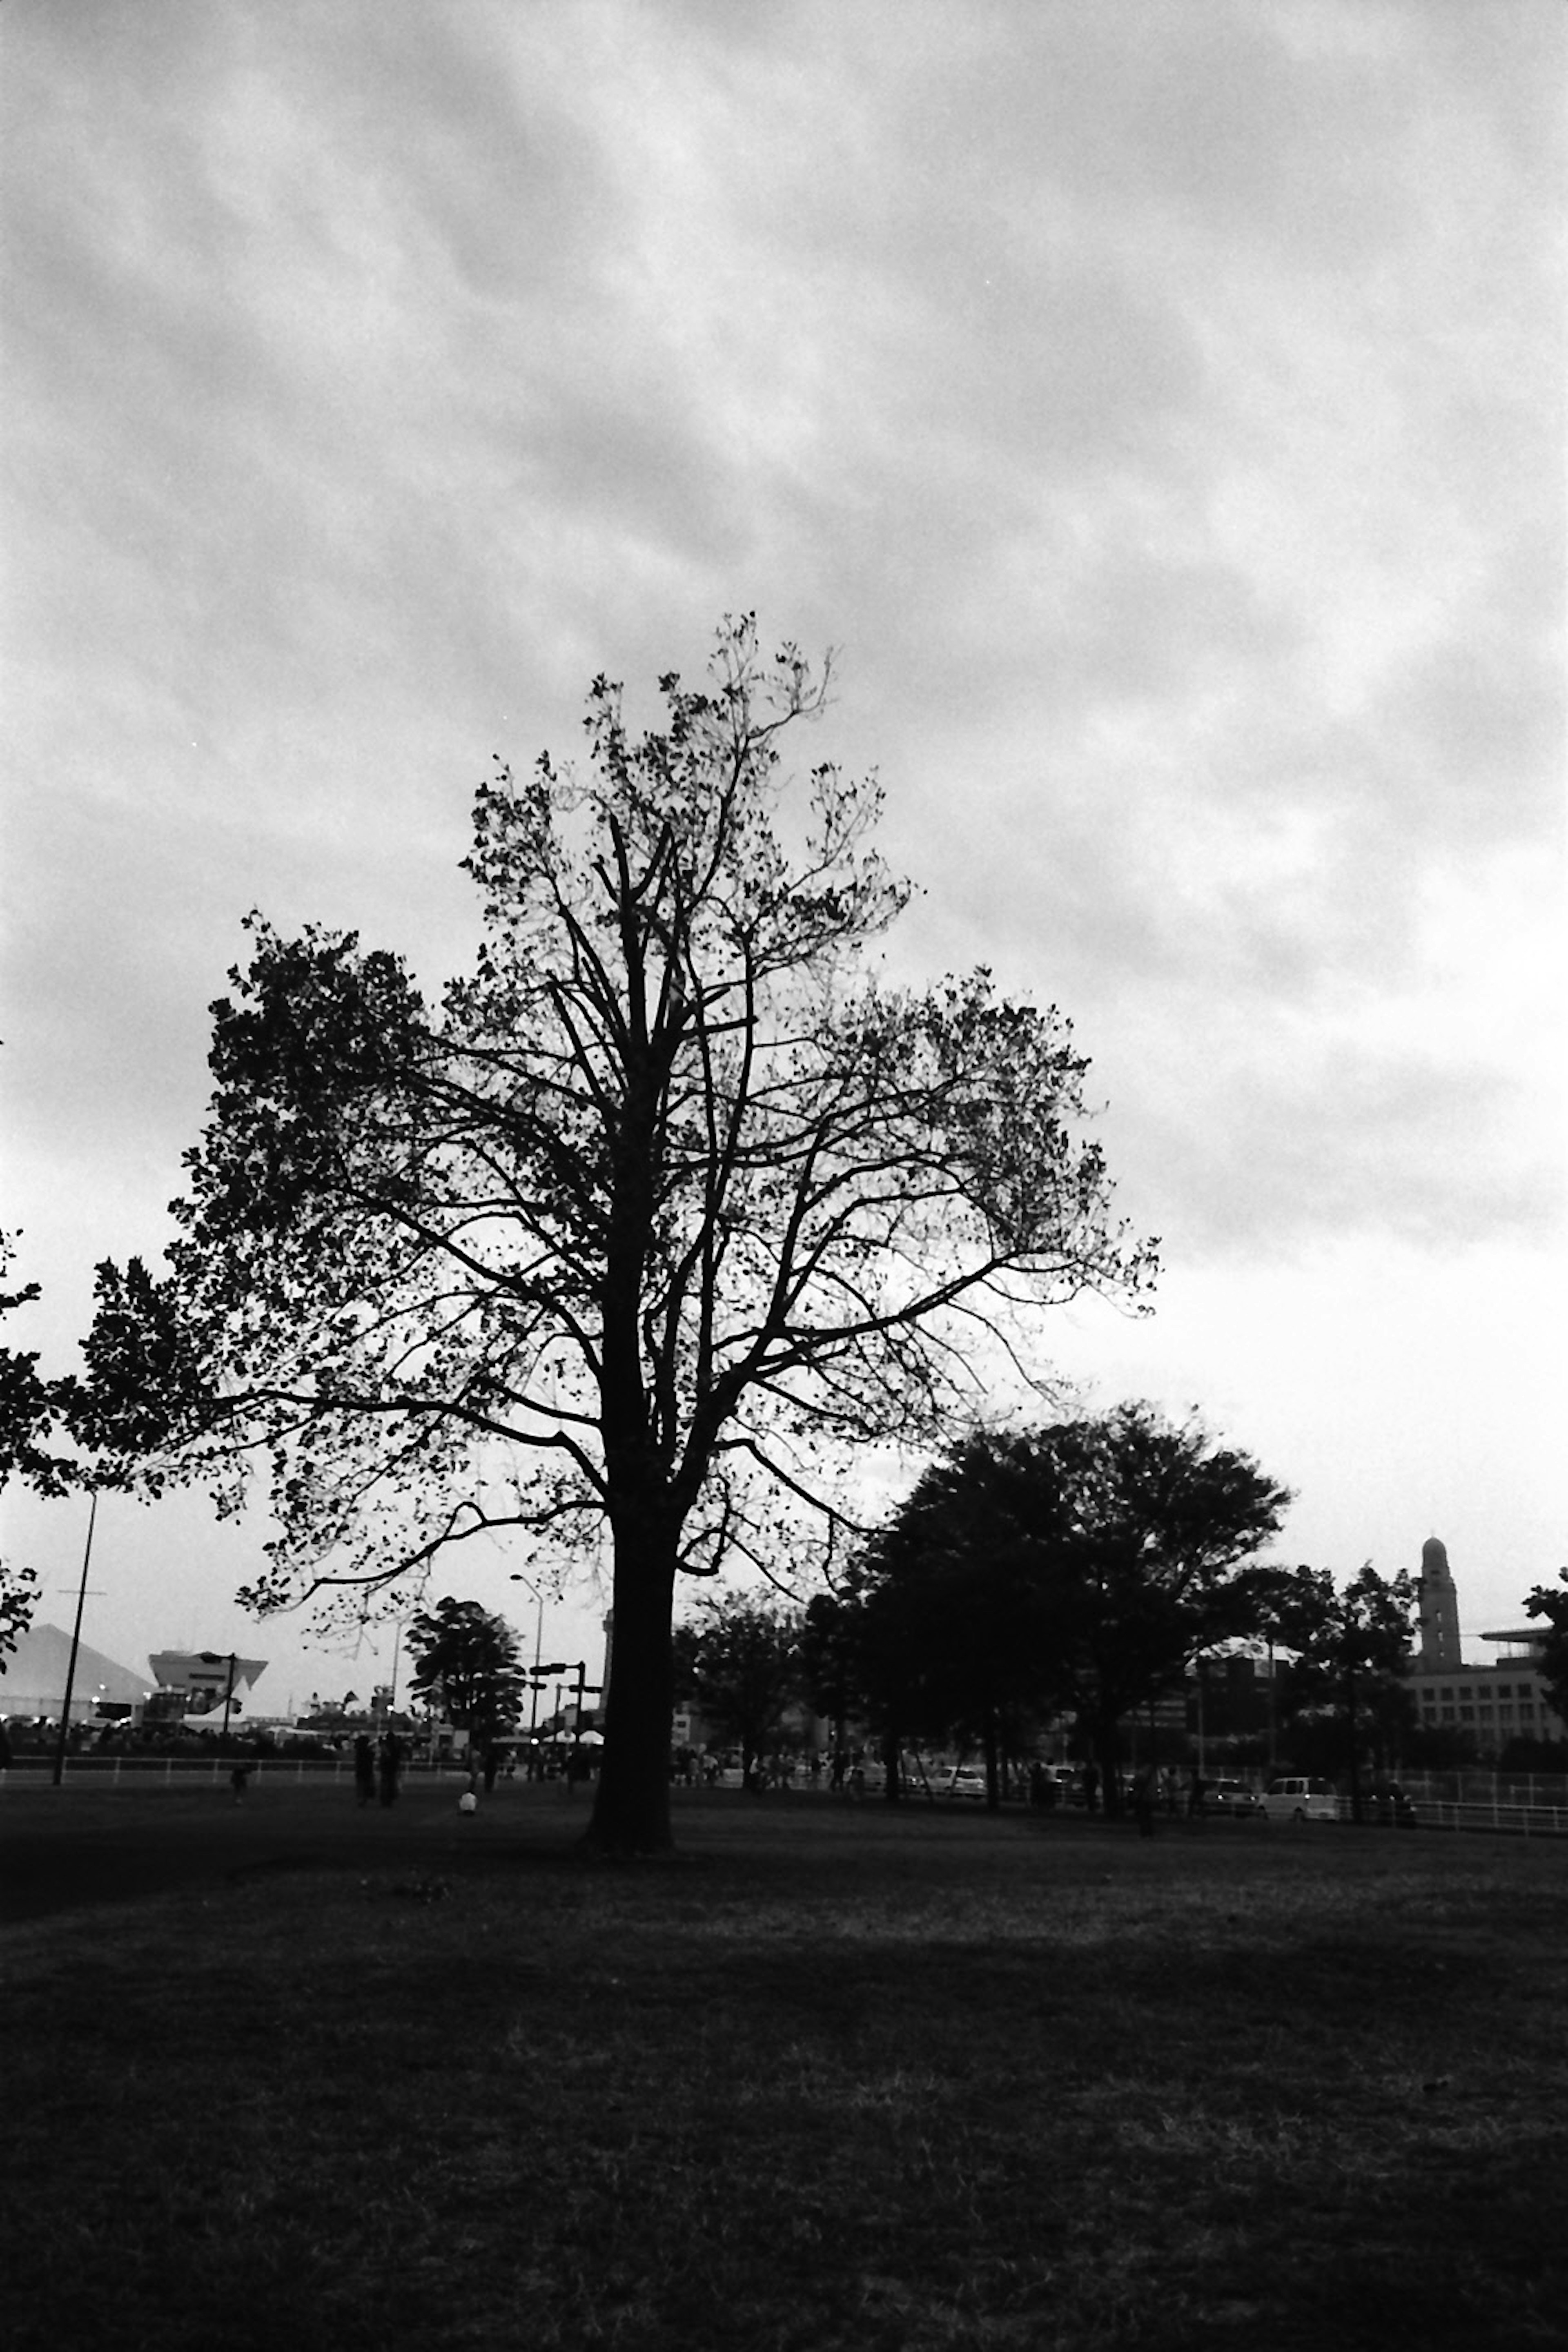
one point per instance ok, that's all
(1301, 1800)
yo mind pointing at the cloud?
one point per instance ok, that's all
(1153, 402)
(1158, 405)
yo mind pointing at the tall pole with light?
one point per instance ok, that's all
(76, 1645)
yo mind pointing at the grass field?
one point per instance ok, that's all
(296, 2075)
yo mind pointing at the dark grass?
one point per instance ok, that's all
(826, 2078)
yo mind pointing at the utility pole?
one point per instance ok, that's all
(580, 1669)
(76, 1644)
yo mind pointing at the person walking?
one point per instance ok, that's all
(364, 1769)
(391, 1766)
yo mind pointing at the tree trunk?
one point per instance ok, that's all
(631, 1803)
(1107, 1755)
(1357, 1810)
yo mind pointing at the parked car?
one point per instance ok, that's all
(1301, 1799)
(1390, 1808)
(1232, 1798)
(964, 1780)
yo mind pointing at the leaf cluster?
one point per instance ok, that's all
(1551, 1655)
(1361, 1628)
(33, 1411)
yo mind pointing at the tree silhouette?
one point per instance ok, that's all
(467, 1663)
(32, 1411)
(1351, 1643)
(669, 1204)
(1078, 1568)
(1552, 1656)
(740, 1659)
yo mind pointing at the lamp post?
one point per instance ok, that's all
(76, 1644)
(396, 1659)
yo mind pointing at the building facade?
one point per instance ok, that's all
(1504, 1699)
(192, 1680)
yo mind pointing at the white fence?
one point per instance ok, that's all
(1500, 1815)
(166, 1771)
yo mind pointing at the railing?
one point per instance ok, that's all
(1499, 1816)
(1478, 1788)
(163, 1771)
(1534, 1808)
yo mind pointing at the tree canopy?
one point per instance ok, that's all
(666, 1203)
(739, 1658)
(1352, 1642)
(1551, 1607)
(32, 1409)
(467, 1663)
(1079, 1567)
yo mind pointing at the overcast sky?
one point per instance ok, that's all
(1159, 405)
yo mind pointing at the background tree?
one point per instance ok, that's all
(834, 1677)
(1080, 1567)
(670, 1203)
(1552, 1654)
(468, 1664)
(959, 1632)
(32, 1409)
(1352, 1648)
(740, 1660)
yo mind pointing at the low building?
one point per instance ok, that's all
(1505, 1700)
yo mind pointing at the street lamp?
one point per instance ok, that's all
(537, 1639)
(76, 1645)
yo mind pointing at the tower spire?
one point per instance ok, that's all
(1439, 1605)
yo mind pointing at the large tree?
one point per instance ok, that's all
(1082, 1567)
(1351, 1648)
(668, 1201)
(467, 1663)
